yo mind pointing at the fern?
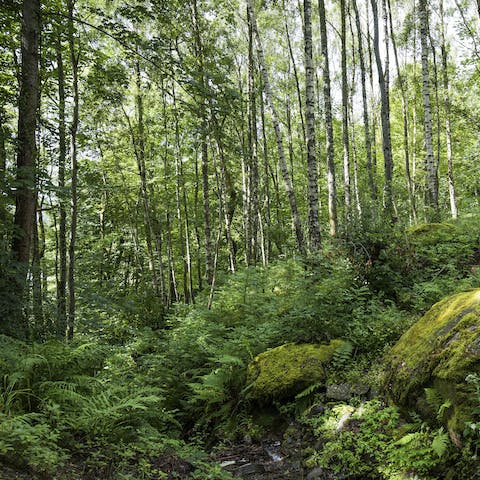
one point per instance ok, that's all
(437, 402)
(342, 354)
(413, 437)
(440, 442)
(307, 392)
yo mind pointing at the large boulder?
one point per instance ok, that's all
(438, 352)
(286, 370)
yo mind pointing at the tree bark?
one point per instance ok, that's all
(406, 143)
(327, 98)
(431, 170)
(28, 106)
(366, 121)
(209, 253)
(385, 116)
(313, 217)
(447, 106)
(345, 139)
(73, 155)
(61, 327)
(276, 124)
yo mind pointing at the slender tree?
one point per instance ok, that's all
(62, 228)
(74, 54)
(313, 220)
(276, 124)
(366, 121)
(385, 115)
(448, 109)
(327, 98)
(430, 165)
(345, 139)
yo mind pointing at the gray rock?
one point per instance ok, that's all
(340, 392)
(315, 474)
(360, 389)
(249, 469)
(316, 410)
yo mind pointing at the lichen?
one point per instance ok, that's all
(440, 350)
(285, 370)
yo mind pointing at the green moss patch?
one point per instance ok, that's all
(439, 351)
(284, 371)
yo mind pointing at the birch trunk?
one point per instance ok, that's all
(345, 139)
(313, 220)
(276, 124)
(447, 106)
(431, 170)
(327, 98)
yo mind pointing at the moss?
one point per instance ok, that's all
(284, 371)
(431, 233)
(439, 350)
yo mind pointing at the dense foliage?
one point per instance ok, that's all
(185, 185)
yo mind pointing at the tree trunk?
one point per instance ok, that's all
(366, 122)
(253, 179)
(313, 220)
(345, 139)
(406, 144)
(295, 73)
(327, 98)
(28, 105)
(385, 116)
(276, 124)
(73, 155)
(61, 328)
(432, 175)
(209, 254)
(447, 106)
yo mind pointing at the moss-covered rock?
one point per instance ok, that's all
(431, 233)
(286, 370)
(438, 352)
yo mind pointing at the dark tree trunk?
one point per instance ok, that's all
(28, 105)
(73, 155)
(61, 327)
(385, 115)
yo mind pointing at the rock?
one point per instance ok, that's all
(249, 469)
(285, 371)
(339, 392)
(438, 352)
(315, 474)
(360, 390)
(316, 410)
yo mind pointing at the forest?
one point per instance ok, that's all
(240, 239)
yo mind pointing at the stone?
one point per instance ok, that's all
(438, 352)
(360, 390)
(316, 410)
(339, 392)
(249, 469)
(315, 474)
(284, 371)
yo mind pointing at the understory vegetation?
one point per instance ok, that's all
(148, 398)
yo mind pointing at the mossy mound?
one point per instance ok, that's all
(286, 370)
(432, 233)
(438, 352)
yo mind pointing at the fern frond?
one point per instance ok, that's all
(440, 442)
(308, 391)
